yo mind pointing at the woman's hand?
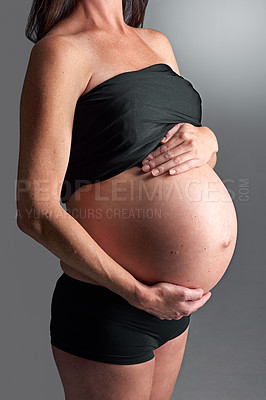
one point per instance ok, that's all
(170, 301)
(184, 147)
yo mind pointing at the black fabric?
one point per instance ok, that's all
(92, 322)
(121, 120)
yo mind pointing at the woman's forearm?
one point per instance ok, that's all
(60, 233)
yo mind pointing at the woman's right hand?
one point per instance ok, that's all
(170, 301)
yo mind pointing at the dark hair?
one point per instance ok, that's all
(44, 14)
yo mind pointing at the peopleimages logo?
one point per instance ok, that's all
(194, 190)
(238, 189)
(116, 213)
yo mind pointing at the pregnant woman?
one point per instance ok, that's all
(103, 107)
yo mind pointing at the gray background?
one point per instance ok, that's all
(220, 47)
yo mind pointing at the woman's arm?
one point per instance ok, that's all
(53, 82)
(55, 78)
(184, 147)
(204, 151)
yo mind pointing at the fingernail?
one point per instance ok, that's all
(146, 168)
(145, 161)
(172, 171)
(155, 171)
(163, 139)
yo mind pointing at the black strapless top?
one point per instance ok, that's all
(123, 119)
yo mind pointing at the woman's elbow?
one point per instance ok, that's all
(28, 222)
(32, 218)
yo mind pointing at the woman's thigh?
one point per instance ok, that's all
(168, 360)
(103, 346)
(84, 379)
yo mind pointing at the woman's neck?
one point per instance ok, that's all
(104, 15)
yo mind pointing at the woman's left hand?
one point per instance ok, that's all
(184, 147)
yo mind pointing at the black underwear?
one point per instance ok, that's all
(92, 322)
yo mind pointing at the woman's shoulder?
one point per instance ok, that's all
(160, 44)
(55, 45)
(62, 51)
(151, 34)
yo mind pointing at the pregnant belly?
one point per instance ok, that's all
(180, 229)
